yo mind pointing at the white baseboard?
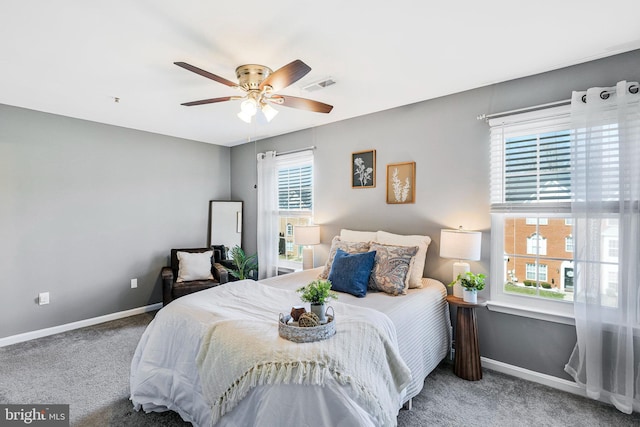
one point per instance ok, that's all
(536, 377)
(548, 380)
(14, 339)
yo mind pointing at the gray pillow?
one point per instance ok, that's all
(390, 272)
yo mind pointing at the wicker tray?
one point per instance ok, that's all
(295, 333)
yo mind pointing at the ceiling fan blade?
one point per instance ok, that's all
(286, 75)
(207, 101)
(301, 103)
(206, 74)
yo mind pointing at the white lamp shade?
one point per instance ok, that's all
(249, 107)
(306, 235)
(269, 112)
(460, 244)
(244, 117)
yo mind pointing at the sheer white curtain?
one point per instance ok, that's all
(606, 186)
(267, 215)
(271, 204)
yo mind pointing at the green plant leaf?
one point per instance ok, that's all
(244, 265)
(317, 292)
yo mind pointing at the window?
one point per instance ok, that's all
(295, 205)
(536, 245)
(531, 211)
(536, 274)
(531, 220)
(542, 273)
(539, 221)
(609, 296)
(568, 243)
(612, 247)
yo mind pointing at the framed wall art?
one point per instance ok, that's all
(363, 169)
(401, 183)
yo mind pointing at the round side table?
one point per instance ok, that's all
(466, 364)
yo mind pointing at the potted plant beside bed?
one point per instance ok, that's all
(317, 293)
(472, 283)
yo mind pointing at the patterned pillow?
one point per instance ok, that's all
(422, 242)
(390, 272)
(348, 247)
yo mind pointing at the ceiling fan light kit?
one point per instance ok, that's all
(269, 112)
(249, 107)
(260, 84)
(246, 114)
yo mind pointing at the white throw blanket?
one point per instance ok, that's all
(244, 350)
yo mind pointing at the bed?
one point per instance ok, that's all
(215, 356)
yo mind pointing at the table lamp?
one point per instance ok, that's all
(306, 236)
(461, 245)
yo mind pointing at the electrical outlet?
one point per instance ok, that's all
(134, 283)
(43, 298)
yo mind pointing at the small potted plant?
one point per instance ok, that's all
(472, 283)
(317, 293)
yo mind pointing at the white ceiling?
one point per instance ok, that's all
(73, 57)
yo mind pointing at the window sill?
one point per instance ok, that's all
(519, 310)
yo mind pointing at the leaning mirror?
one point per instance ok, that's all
(225, 226)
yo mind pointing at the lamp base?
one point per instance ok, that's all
(307, 258)
(459, 268)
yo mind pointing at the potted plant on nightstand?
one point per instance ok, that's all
(317, 293)
(471, 284)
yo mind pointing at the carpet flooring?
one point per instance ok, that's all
(88, 368)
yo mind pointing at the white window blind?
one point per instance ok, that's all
(530, 161)
(604, 158)
(295, 188)
(295, 182)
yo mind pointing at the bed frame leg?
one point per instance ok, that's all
(408, 405)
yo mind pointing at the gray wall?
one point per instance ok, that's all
(85, 207)
(451, 150)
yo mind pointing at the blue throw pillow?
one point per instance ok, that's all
(350, 272)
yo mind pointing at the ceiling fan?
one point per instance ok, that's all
(260, 85)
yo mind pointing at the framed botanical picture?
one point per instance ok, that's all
(401, 183)
(363, 169)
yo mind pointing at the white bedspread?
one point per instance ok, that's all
(164, 373)
(243, 350)
(421, 317)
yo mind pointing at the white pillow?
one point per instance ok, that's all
(422, 242)
(194, 266)
(357, 236)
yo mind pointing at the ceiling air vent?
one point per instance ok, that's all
(319, 84)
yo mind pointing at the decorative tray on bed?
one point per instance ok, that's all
(288, 329)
